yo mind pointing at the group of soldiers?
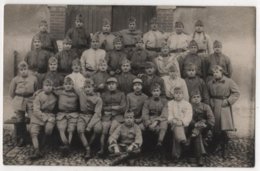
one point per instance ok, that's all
(118, 87)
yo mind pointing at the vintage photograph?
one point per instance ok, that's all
(129, 85)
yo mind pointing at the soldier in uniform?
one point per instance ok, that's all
(79, 36)
(48, 42)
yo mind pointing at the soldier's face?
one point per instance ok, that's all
(199, 29)
(217, 74)
(118, 45)
(173, 74)
(126, 67)
(195, 99)
(37, 44)
(178, 95)
(129, 120)
(137, 87)
(156, 92)
(88, 89)
(103, 67)
(139, 45)
(112, 86)
(66, 46)
(53, 66)
(191, 72)
(150, 70)
(106, 28)
(76, 68)
(78, 23)
(154, 26)
(165, 50)
(217, 49)
(179, 29)
(132, 26)
(193, 49)
(43, 27)
(95, 44)
(68, 86)
(47, 88)
(23, 72)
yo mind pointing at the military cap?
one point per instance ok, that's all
(22, 64)
(217, 68)
(102, 62)
(198, 23)
(178, 89)
(194, 93)
(137, 80)
(67, 40)
(36, 37)
(149, 65)
(193, 43)
(154, 20)
(125, 61)
(52, 60)
(164, 44)
(111, 79)
(88, 82)
(191, 66)
(217, 44)
(79, 17)
(48, 82)
(76, 62)
(172, 68)
(43, 22)
(155, 86)
(131, 20)
(68, 80)
(117, 39)
(179, 24)
(139, 39)
(129, 113)
(95, 38)
(106, 22)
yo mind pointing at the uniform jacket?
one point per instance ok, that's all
(47, 41)
(135, 102)
(106, 40)
(204, 41)
(78, 80)
(100, 78)
(178, 41)
(92, 57)
(129, 37)
(114, 59)
(65, 58)
(149, 81)
(154, 39)
(55, 77)
(163, 63)
(125, 82)
(80, 37)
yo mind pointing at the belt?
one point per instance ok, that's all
(24, 95)
(129, 46)
(177, 50)
(66, 111)
(219, 97)
(154, 49)
(201, 51)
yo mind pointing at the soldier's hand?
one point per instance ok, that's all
(225, 103)
(130, 148)
(88, 129)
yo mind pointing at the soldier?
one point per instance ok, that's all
(42, 117)
(105, 36)
(90, 115)
(224, 93)
(79, 36)
(65, 57)
(178, 41)
(129, 35)
(203, 40)
(126, 140)
(48, 42)
(91, 57)
(21, 91)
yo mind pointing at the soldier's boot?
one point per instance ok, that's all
(65, 150)
(36, 155)
(87, 154)
(21, 134)
(200, 161)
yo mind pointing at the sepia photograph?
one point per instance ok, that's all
(129, 85)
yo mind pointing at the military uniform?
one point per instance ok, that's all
(114, 59)
(125, 82)
(55, 77)
(99, 78)
(163, 63)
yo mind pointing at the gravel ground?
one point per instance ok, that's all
(241, 154)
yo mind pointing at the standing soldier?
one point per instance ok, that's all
(178, 41)
(203, 39)
(48, 42)
(106, 38)
(129, 35)
(154, 38)
(80, 38)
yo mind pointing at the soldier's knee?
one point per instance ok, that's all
(98, 128)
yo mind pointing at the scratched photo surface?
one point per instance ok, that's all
(122, 85)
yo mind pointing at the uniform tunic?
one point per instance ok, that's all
(80, 39)
(114, 59)
(21, 91)
(55, 77)
(149, 81)
(100, 77)
(65, 58)
(138, 58)
(198, 84)
(129, 37)
(37, 60)
(153, 110)
(163, 63)
(47, 41)
(204, 42)
(154, 39)
(220, 90)
(178, 41)
(106, 40)
(92, 58)
(171, 84)
(221, 60)
(125, 82)
(78, 80)
(135, 102)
